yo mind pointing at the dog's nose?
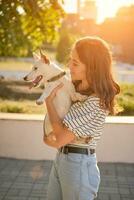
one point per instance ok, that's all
(25, 78)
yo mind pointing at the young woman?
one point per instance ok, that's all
(75, 174)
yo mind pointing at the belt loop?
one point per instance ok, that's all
(66, 150)
(62, 149)
(89, 152)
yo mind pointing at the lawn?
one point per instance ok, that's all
(20, 64)
(15, 97)
(14, 65)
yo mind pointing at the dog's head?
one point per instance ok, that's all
(40, 70)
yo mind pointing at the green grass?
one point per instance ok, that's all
(126, 99)
(29, 107)
(15, 97)
(17, 65)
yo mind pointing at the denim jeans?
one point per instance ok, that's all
(73, 176)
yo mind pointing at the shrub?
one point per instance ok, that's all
(126, 99)
(11, 109)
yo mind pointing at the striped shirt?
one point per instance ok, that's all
(86, 119)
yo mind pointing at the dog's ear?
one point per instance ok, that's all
(44, 58)
(36, 56)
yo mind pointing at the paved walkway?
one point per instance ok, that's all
(28, 180)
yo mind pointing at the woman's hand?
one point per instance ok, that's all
(50, 140)
(53, 93)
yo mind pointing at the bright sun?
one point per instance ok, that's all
(105, 8)
(108, 8)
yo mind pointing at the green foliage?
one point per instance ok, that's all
(126, 99)
(11, 33)
(64, 45)
(11, 109)
(26, 25)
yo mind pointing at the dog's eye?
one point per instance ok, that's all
(35, 68)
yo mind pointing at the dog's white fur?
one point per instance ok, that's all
(64, 96)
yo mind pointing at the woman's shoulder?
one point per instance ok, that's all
(92, 104)
(93, 101)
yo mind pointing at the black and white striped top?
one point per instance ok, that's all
(86, 119)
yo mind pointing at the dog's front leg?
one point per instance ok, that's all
(42, 98)
(46, 93)
(78, 97)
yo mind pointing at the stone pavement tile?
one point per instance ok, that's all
(130, 180)
(102, 196)
(15, 198)
(3, 190)
(126, 185)
(38, 186)
(6, 177)
(124, 191)
(2, 194)
(109, 190)
(43, 198)
(109, 183)
(132, 190)
(24, 179)
(127, 196)
(22, 185)
(109, 177)
(10, 172)
(24, 192)
(12, 192)
(121, 179)
(37, 194)
(115, 197)
(6, 184)
(130, 168)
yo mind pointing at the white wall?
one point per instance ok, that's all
(21, 136)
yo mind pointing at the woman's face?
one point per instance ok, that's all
(77, 68)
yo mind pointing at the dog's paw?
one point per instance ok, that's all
(79, 97)
(83, 97)
(39, 102)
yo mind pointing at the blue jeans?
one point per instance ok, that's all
(73, 176)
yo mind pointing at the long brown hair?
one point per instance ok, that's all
(95, 53)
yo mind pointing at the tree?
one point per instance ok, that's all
(25, 25)
(66, 40)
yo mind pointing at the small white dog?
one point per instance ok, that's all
(48, 73)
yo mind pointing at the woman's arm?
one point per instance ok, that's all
(62, 134)
(49, 140)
